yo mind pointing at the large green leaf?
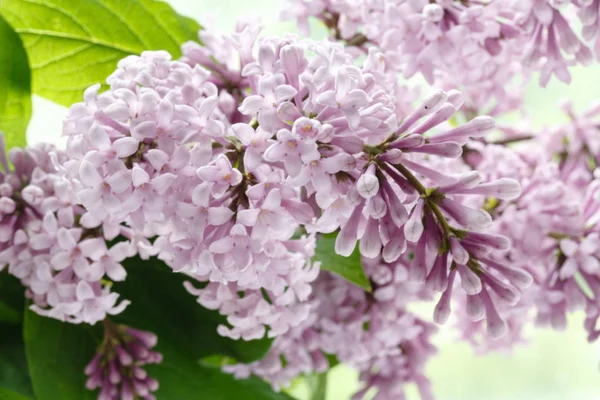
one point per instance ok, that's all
(162, 305)
(186, 332)
(73, 44)
(14, 375)
(15, 87)
(6, 394)
(57, 354)
(181, 378)
(349, 268)
(12, 299)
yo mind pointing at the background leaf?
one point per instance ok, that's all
(318, 385)
(163, 306)
(57, 353)
(12, 299)
(349, 268)
(75, 44)
(181, 378)
(186, 333)
(14, 375)
(15, 87)
(6, 394)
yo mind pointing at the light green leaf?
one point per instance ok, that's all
(349, 268)
(15, 87)
(75, 44)
(318, 386)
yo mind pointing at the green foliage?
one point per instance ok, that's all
(12, 299)
(349, 268)
(14, 376)
(6, 394)
(75, 44)
(318, 386)
(163, 306)
(57, 352)
(15, 87)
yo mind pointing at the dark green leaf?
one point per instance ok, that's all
(332, 360)
(163, 306)
(57, 354)
(6, 394)
(188, 338)
(14, 375)
(12, 299)
(349, 268)
(75, 44)
(181, 378)
(15, 87)
(217, 360)
(8, 314)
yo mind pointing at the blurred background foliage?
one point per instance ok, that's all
(552, 366)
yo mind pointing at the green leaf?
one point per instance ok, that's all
(12, 299)
(349, 268)
(163, 306)
(15, 87)
(75, 44)
(14, 375)
(57, 354)
(8, 314)
(318, 386)
(180, 378)
(186, 333)
(6, 394)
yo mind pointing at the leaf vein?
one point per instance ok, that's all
(141, 41)
(61, 57)
(168, 33)
(83, 39)
(62, 11)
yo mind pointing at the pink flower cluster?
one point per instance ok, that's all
(372, 332)
(553, 226)
(117, 366)
(48, 243)
(336, 136)
(480, 47)
(231, 163)
(317, 145)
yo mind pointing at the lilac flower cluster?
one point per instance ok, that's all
(553, 226)
(372, 332)
(49, 244)
(480, 47)
(317, 145)
(117, 368)
(336, 135)
(232, 162)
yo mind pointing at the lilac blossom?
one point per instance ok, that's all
(117, 368)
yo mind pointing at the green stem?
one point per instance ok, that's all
(318, 385)
(411, 179)
(512, 140)
(423, 192)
